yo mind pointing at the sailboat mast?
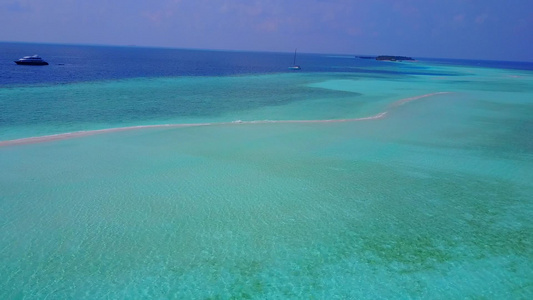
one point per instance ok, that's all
(294, 65)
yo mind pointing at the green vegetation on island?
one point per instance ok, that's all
(388, 57)
(393, 58)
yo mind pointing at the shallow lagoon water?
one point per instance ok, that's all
(431, 200)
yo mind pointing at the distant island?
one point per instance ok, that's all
(387, 57)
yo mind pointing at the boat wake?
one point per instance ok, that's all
(63, 136)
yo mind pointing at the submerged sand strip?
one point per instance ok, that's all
(68, 135)
(403, 101)
(63, 136)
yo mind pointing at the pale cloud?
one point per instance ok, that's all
(154, 17)
(458, 19)
(18, 6)
(243, 8)
(481, 18)
(159, 12)
(354, 31)
(268, 26)
(406, 9)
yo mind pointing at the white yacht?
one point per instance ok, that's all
(34, 60)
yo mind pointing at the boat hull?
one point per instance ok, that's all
(31, 63)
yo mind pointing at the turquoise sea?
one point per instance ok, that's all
(144, 173)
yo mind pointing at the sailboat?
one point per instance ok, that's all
(295, 66)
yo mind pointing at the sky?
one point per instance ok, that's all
(470, 29)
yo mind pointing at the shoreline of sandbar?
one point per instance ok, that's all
(76, 134)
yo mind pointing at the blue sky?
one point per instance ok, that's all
(485, 29)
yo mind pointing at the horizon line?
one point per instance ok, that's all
(253, 51)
